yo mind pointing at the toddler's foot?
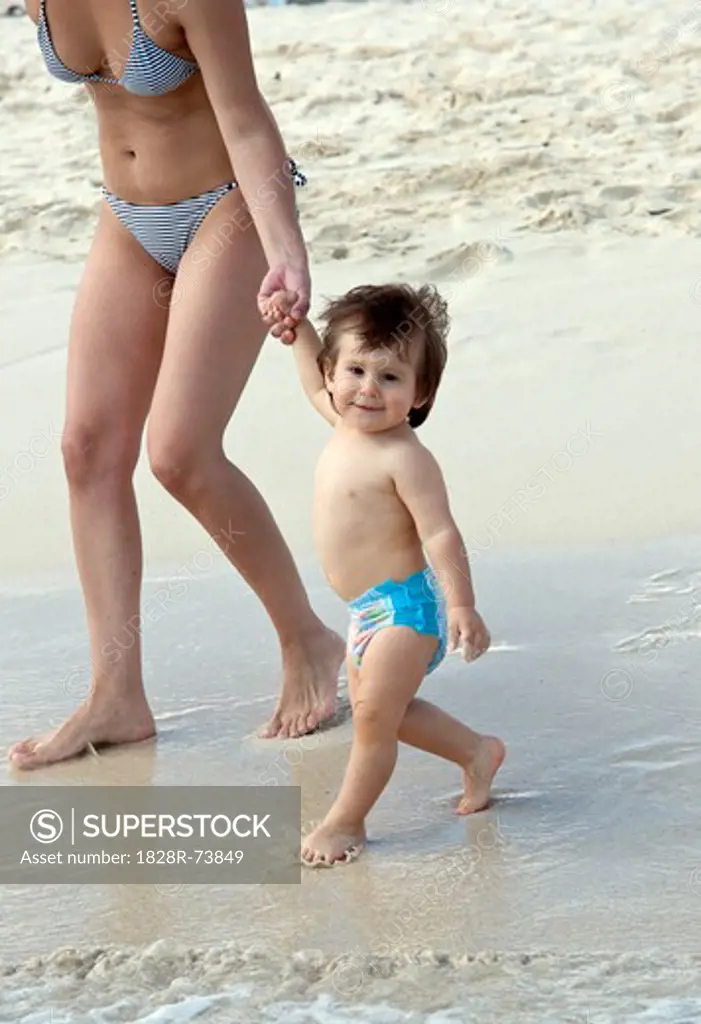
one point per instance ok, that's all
(479, 772)
(328, 845)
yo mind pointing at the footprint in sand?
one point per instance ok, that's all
(676, 113)
(542, 200)
(619, 192)
(469, 259)
(669, 583)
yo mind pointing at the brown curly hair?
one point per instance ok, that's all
(394, 317)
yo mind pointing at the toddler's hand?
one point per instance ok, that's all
(467, 631)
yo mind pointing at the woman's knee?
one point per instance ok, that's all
(180, 466)
(97, 452)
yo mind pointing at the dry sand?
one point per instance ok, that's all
(539, 164)
(411, 118)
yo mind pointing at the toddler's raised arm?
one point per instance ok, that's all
(306, 348)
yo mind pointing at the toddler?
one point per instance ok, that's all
(388, 544)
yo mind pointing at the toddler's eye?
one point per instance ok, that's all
(391, 376)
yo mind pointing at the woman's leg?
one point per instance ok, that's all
(115, 347)
(214, 336)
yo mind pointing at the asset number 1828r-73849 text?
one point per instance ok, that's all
(192, 857)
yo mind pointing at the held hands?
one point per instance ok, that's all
(467, 631)
(276, 313)
(283, 299)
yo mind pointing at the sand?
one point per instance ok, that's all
(576, 893)
(539, 165)
(417, 117)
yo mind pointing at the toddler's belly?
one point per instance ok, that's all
(353, 570)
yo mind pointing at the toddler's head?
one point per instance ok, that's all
(384, 352)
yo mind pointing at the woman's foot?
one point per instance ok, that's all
(329, 844)
(310, 683)
(99, 721)
(479, 772)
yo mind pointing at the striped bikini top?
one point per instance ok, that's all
(149, 71)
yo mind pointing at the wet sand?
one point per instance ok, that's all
(588, 858)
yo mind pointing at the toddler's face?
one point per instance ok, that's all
(375, 390)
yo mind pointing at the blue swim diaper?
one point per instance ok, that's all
(416, 602)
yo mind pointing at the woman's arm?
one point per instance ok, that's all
(217, 33)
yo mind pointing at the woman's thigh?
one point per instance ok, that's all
(214, 336)
(116, 342)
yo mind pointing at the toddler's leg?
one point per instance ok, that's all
(427, 727)
(393, 668)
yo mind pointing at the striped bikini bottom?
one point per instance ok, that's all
(166, 232)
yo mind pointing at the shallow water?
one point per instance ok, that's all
(588, 862)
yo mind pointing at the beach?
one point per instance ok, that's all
(540, 166)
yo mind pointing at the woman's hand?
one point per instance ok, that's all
(284, 298)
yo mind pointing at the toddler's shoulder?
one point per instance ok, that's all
(408, 454)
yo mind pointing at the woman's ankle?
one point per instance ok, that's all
(301, 629)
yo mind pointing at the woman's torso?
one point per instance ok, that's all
(155, 148)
